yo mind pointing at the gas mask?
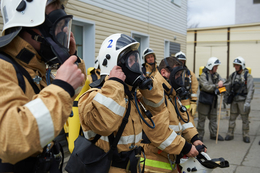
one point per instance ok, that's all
(177, 81)
(55, 37)
(131, 66)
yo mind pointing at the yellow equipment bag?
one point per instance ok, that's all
(72, 125)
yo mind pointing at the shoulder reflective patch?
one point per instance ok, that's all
(168, 141)
(43, 119)
(194, 95)
(152, 104)
(187, 125)
(110, 104)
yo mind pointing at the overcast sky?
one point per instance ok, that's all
(206, 13)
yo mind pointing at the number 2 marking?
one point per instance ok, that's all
(110, 44)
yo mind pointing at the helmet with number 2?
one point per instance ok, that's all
(112, 49)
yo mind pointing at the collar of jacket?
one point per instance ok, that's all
(148, 66)
(163, 81)
(17, 47)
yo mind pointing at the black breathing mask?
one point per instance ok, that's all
(55, 32)
(177, 81)
(131, 66)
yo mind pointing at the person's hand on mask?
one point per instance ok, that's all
(117, 73)
(220, 84)
(70, 73)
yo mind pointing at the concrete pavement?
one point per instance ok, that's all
(242, 157)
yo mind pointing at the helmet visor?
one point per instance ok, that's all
(62, 30)
(133, 62)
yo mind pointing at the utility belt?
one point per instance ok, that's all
(50, 160)
(129, 160)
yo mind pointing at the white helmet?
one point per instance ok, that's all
(17, 14)
(202, 163)
(213, 61)
(240, 61)
(180, 56)
(112, 47)
(148, 51)
(96, 65)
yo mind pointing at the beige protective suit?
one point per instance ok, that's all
(29, 121)
(101, 112)
(159, 153)
(149, 70)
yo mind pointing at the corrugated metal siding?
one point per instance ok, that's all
(108, 22)
(160, 13)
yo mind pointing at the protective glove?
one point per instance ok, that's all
(193, 107)
(246, 107)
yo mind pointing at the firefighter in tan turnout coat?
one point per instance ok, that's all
(161, 158)
(32, 113)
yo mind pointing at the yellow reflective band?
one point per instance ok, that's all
(187, 106)
(157, 164)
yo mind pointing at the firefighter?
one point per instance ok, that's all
(101, 110)
(149, 67)
(191, 84)
(161, 156)
(241, 91)
(35, 33)
(209, 82)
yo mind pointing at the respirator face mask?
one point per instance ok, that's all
(56, 34)
(131, 66)
(177, 81)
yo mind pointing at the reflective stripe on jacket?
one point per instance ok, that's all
(29, 121)
(101, 112)
(170, 126)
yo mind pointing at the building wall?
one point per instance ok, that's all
(244, 41)
(160, 21)
(247, 12)
(157, 20)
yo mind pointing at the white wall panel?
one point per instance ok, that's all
(161, 13)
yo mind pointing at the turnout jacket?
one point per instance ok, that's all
(148, 70)
(29, 121)
(245, 86)
(101, 112)
(180, 132)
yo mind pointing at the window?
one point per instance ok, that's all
(143, 39)
(84, 33)
(174, 48)
(176, 2)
